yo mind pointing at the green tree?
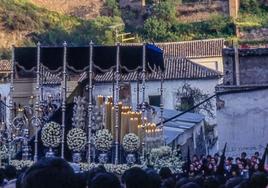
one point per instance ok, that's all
(165, 10)
(113, 8)
(156, 29)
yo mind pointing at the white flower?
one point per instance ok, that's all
(19, 164)
(76, 139)
(51, 134)
(3, 152)
(165, 157)
(131, 142)
(103, 140)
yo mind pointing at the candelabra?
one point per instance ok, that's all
(26, 121)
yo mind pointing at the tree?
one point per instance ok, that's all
(165, 10)
(157, 30)
(188, 96)
(113, 8)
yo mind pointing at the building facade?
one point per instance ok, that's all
(242, 108)
(178, 72)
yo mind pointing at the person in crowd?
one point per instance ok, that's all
(50, 172)
(135, 178)
(105, 180)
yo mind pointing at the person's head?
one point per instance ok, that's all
(51, 172)
(2, 176)
(104, 180)
(232, 182)
(93, 172)
(181, 182)
(135, 178)
(259, 180)
(81, 180)
(168, 183)
(190, 185)
(257, 154)
(165, 172)
(154, 179)
(211, 182)
(243, 155)
(10, 172)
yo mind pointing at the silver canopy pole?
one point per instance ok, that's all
(90, 107)
(143, 97)
(37, 94)
(11, 107)
(64, 88)
(117, 102)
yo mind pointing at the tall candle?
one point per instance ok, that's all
(124, 126)
(133, 126)
(108, 107)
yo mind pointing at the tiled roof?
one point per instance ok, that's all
(191, 49)
(175, 69)
(51, 78)
(5, 66)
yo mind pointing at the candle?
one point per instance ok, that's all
(140, 131)
(124, 126)
(108, 108)
(133, 126)
(100, 100)
(110, 99)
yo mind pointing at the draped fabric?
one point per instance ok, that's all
(104, 58)
(26, 57)
(51, 57)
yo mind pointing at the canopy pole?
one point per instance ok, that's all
(143, 97)
(11, 107)
(138, 91)
(90, 107)
(117, 103)
(162, 105)
(64, 88)
(37, 90)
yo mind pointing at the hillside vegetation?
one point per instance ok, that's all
(24, 22)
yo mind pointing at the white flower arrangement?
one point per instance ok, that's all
(161, 151)
(19, 164)
(117, 169)
(76, 139)
(103, 140)
(131, 142)
(3, 152)
(165, 157)
(51, 134)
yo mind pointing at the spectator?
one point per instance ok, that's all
(49, 173)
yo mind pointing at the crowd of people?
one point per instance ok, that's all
(201, 172)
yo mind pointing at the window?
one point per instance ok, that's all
(155, 100)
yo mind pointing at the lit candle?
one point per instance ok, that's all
(124, 126)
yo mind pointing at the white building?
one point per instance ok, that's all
(242, 102)
(178, 71)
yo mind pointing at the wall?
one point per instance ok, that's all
(214, 63)
(170, 89)
(253, 66)
(242, 122)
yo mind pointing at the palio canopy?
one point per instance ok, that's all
(104, 57)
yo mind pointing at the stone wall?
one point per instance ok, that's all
(253, 66)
